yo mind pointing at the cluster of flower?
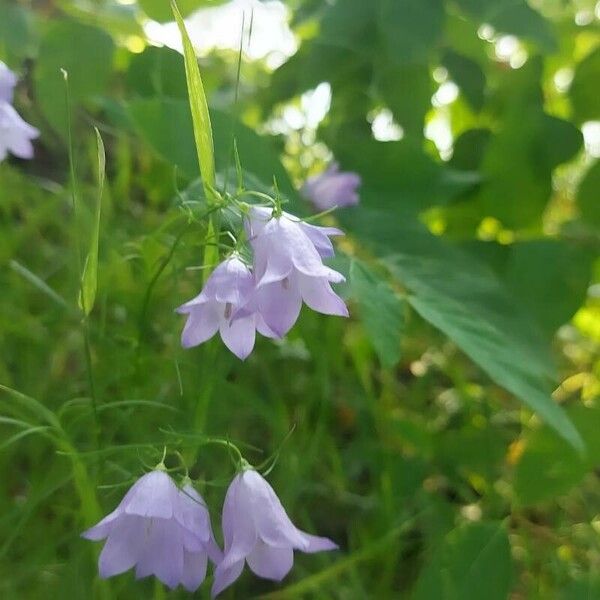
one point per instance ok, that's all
(287, 270)
(15, 133)
(165, 531)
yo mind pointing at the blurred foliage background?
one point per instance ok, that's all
(447, 434)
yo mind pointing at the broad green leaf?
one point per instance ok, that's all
(465, 300)
(550, 277)
(17, 33)
(86, 53)
(410, 28)
(381, 311)
(89, 277)
(167, 125)
(584, 88)
(588, 195)
(157, 72)
(512, 16)
(199, 108)
(468, 75)
(549, 467)
(472, 562)
(159, 10)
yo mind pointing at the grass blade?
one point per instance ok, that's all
(89, 277)
(199, 108)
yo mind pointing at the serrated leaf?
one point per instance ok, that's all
(89, 277)
(465, 300)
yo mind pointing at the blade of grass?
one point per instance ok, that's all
(199, 108)
(89, 277)
(39, 283)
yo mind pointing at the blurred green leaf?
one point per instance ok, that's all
(381, 311)
(472, 562)
(513, 16)
(410, 28)
(17, 33)
(588, 195)
(584, 88)
(551, 279)
(89, 277)
(468, 75)
(157, 71)
(159, 10)
(549, 467)
(585, 588)
(89, 68)
(167, 125)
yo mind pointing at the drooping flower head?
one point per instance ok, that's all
(258, 531)
(15, 133)
(159, 529)
(227, 290)
(332, 188)
(8, 81)
(288, 268)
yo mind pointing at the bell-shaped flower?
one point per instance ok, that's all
(8, 81)
(332, 188)
(15, 133)
(288, 268)
(258, 531)
(217, 307)
(159, 529)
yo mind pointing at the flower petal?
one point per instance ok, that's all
(154, 495)
(279, 305)
(102, 529)
(319, 296)
(194, 570)
(162, 553)
(224, 577)
(195, 517)
(270, 562)
(239, 335)
(315, 543)
(123, 547)
(202, 323)
(319, 236)
(239, 529)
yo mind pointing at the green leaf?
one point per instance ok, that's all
(410, 28)
(158, 10)
(157, 72)
(167, 125)
(588, 197)
(381, 311)
(584, 88)
(465, 300)
(17, 33)
(89, 277)
(468, 75)
(512, 16)
(472, 562)
(89, 67)
(549, 467)
(538, 270)
(199, 108)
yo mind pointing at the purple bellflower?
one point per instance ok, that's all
(217, 307)
(288, 268)
(159, 529)
(257, 530)
(332, 188)
(15, 133)
(8, 81)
